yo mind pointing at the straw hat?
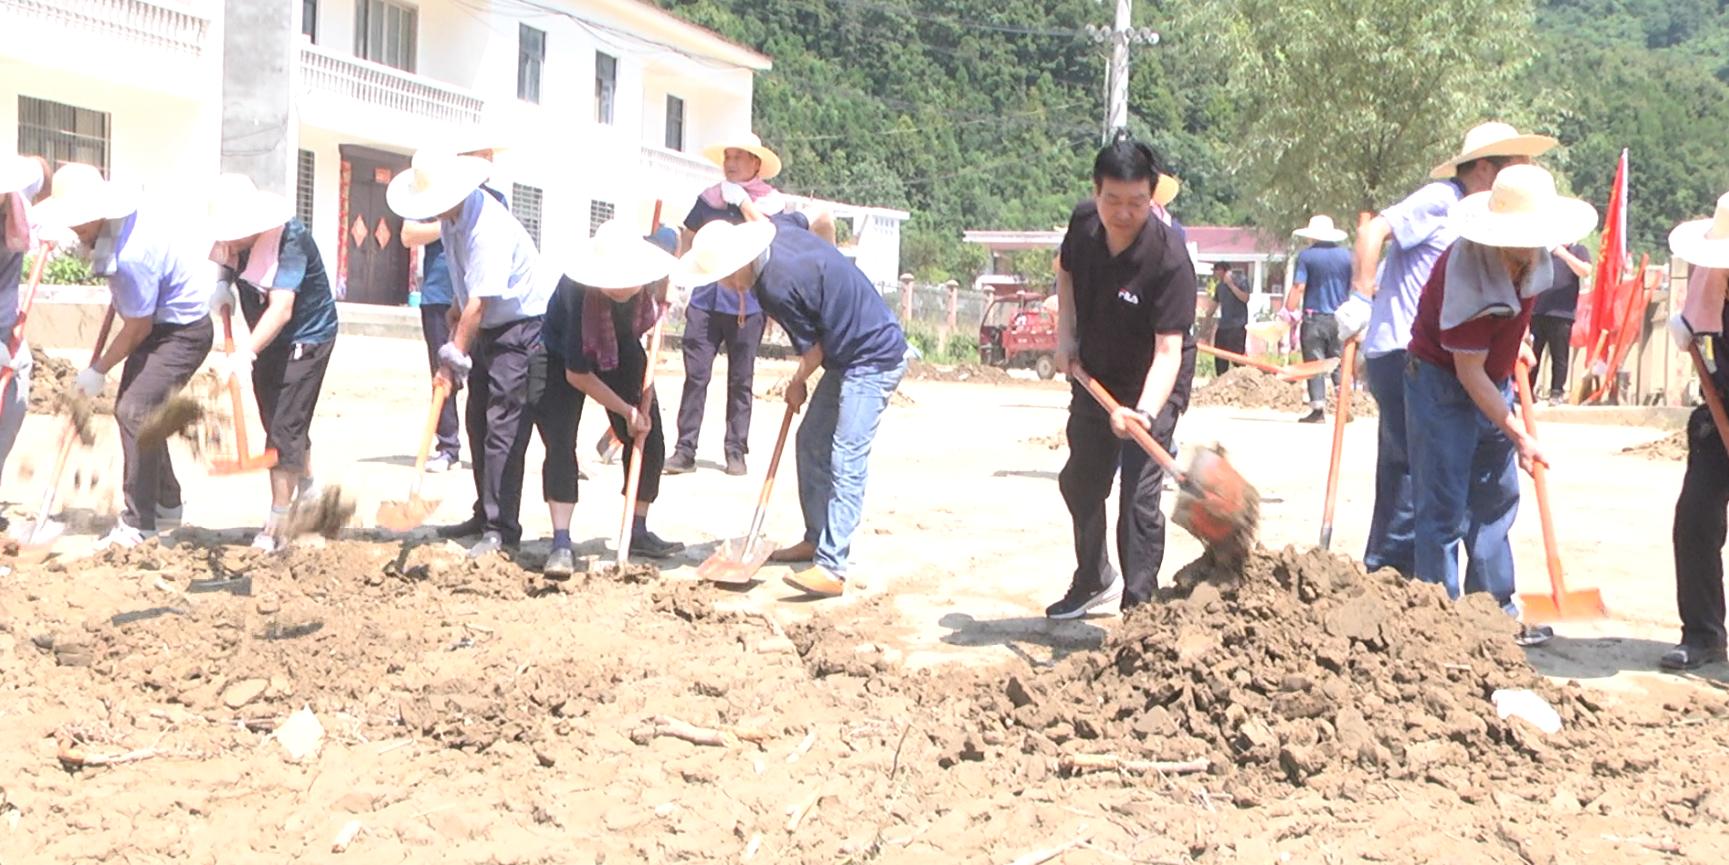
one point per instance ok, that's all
(1704, 242)
(1494, 139)
(1165, 189)
(1321, 230)
(721, 249)
(82, 196)
(16, 173)
(747, 141)
(435, 182)
(239, 209)
(1523, 210)
(618, 257)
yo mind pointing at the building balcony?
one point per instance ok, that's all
(676, 176)
(163, 46)
(175, 27)
(375, 101)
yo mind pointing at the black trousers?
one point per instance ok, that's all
(1551, 334)
(155, 371)
(1230, 339)
(286, 382)
(1320, 339)
(1095, 455)
(653, 446)
(1700, 525)
(435, 326)
(558, 407)
(500, 420)
(705, 334)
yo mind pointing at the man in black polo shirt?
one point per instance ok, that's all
(1126, 316)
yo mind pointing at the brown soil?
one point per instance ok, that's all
(1246, 387)
(179, 416)
(777, 391)
(471, 713)
(327, 516)
(1670, 447)
(52, 386)
(919, 370)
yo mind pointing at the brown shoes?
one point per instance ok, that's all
(799, 552)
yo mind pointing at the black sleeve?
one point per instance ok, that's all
(1070, 239)
(1174, 288)
(575, 359)
(695, 219)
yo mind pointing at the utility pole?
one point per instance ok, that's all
(1117, 76)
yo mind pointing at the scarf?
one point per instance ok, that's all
(261, 258)
(768, 200)
(1478, 284)
(17, 218)
(1703, 307)
(599, 337)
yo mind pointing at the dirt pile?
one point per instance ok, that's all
(1672, 447)
(919, 370)
(777, 391)
(53, 382)
(1246, 387)
(1301, 670)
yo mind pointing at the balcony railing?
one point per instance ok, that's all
(380, 86)
(682, 168)
(154, 24)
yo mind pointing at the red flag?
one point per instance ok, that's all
(1598, 314)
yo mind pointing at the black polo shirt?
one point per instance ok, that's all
(1123, 301)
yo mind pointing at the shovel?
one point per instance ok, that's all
(633, 476)
(1214, 502)
(1286, 372)
(736, 561)
(1560, 604)
(40, 533)
(243, 461)
(16, 338)
(1340, 418)
(402, 516)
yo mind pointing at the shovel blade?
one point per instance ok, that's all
(407, 515)
(735, 562)
(1218, 506)
(1571, 606)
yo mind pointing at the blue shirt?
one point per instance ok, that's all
(492, 257)
(435, 287)
(821, 298)
(153, 275)
(299, 269)
(1324, 270)
(1420, 234)
(711, 297)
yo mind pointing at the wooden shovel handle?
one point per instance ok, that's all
(1341, 417)
(1713, 401)
(71, 435)
(236, 398)
(645, 401)
(15, 339)
(760, 517)
(1245, 360)
(1141, 436)
(1540, 481)
(440, 393)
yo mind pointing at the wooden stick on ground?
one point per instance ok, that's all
(1080, 764)
(77, 757)
(660, 725)
(1038, 857)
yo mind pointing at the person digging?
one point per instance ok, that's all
(1322, 282)
(1700, 522)
(163, 301)
(836, 320)
(284, 293)
(23, 183)
(1465, 444)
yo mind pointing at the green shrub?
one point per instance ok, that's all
(64, 269)
(962, 348)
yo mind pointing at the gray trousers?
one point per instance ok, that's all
(15, 402)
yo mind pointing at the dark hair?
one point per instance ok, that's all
(1499, 162)
(1127, 159)
(1221, 265)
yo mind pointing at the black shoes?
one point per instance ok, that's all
(1685, 657)
(1082, 600)
(652, 546)
(1314, 416)
(469, 528)
(680, 463)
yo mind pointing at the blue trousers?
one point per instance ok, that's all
(834, 445)
(1392, 528)
(1466, 474)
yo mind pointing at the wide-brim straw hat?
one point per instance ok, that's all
(239, 209)
(720, 249)
(1704, 242)
(1321, 230)
(749, 142)
(16, 173)
(1165, 189)
(1494, 139)
(617, 256)
(435, 182)
(1523, 210)
(82, 196)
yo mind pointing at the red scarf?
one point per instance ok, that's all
(599, 337)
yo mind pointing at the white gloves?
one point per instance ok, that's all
(1681, 332)
(733, 193)
(1352, 316)
(91, 382)
(6, 356)
(452, 359)
(236, 365)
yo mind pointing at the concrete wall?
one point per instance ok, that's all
(257, 106)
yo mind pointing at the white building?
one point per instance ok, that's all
(603, 106)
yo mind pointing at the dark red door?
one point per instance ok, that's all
(376, 262)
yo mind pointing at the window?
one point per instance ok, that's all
(605, 86)
(599, 213)
(525, 203)
(384, 32)
(303, 181)
(309, 20)
(62, 133)
(674, 123)
(530, 57)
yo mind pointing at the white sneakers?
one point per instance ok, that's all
(265, 542)
(440, 464)
(122, 536)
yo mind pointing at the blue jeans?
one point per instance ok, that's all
(834, 446)
(1392, 528)
(1466, 473)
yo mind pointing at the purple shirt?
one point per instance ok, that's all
(1420, 235)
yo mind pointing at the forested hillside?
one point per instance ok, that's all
(979, 114)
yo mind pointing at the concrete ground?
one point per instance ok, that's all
(966, 538)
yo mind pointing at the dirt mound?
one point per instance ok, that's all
(777, 391)
(1672, 447)
(919, 370)
(1300, 670)
(53, 384)
(1247, 387)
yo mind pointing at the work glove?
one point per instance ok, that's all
(6, 359)
(1682, 332)
(452, 359)
(91, 382)
(732, 193)
(235, 365)
(1352, 316)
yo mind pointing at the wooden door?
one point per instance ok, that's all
(376, 262)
